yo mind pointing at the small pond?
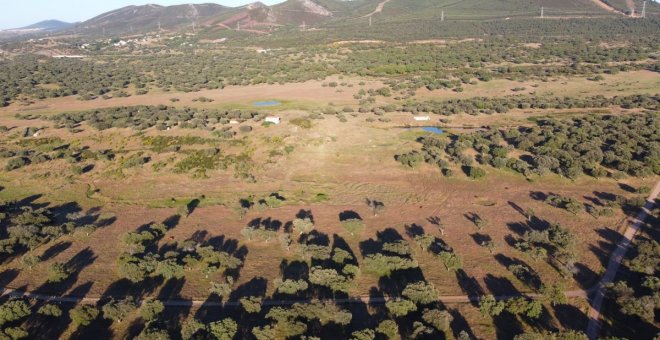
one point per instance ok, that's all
(266, 103)
(433, 129)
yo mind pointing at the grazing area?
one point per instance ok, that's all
(333, 169)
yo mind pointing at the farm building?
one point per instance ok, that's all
(422, 118)
(273, 119)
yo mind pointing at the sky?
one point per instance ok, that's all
(20, 13)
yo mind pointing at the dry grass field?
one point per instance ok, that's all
(345, 163)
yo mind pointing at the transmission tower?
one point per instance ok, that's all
(644, 10)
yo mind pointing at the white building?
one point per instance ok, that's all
(273, 119)
(422, 118)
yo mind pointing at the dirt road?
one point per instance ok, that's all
(606, 7)
(199, 303)
(617, 256)
(378, 9)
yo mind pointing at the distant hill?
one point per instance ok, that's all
(35, 30)
(48, 25)
(326, 14)
(139, 19)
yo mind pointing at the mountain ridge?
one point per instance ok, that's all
(261, 18)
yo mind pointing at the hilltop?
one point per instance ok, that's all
(322, 14)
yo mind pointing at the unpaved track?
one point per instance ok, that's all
(606, 7)
(378, 9)
(593, 329)
(631, 8)
(203, 303)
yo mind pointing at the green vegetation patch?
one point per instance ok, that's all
(168, 143)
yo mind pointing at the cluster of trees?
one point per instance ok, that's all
(41, 77)
(639, 294)
(554, 244)
(143, 258)
(595, 145)
(39, 150)
(489, 306)
(435, 66)
(143, 117)
(395, 255)
(26, 228)
(29, 77)
(440, 152)
(429, 26)
(489, 105)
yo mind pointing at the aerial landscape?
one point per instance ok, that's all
(331, 169)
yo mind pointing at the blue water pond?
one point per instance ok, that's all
(267, 103)
(433, 129)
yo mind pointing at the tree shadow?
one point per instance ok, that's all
(517, 208)
(605, 196)
(371, 246)
(460, 324)
(507, 326)
(303, 214)
(294, 270)
(75, 265)
(570, 317)
(48, 327)
(584, 276)
(315, 237)
(172, 221)
(60, 212)
(500, 286)
(530, 277)
(594, 200)
(54, 250)
(414, 230)
(469, 285)
(135, 328)
(87, 168)
(255, 287)
(100, 325)
(339, 242)
(538, 196)
(349, 215)
(192, 205)
(7, 276)
(481, 239)
(627, 188)
(266, 224)
(472, 217)
(81, 290)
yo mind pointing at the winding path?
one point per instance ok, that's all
(378, 9)
(593, 329)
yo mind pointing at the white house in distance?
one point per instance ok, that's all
(422, 118)
(273, 119)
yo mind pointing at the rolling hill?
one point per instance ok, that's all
(138, 19)
(326, 14)
(35, 30)
(48, 25)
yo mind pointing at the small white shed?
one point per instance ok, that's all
(422, 118)
(273, 119)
